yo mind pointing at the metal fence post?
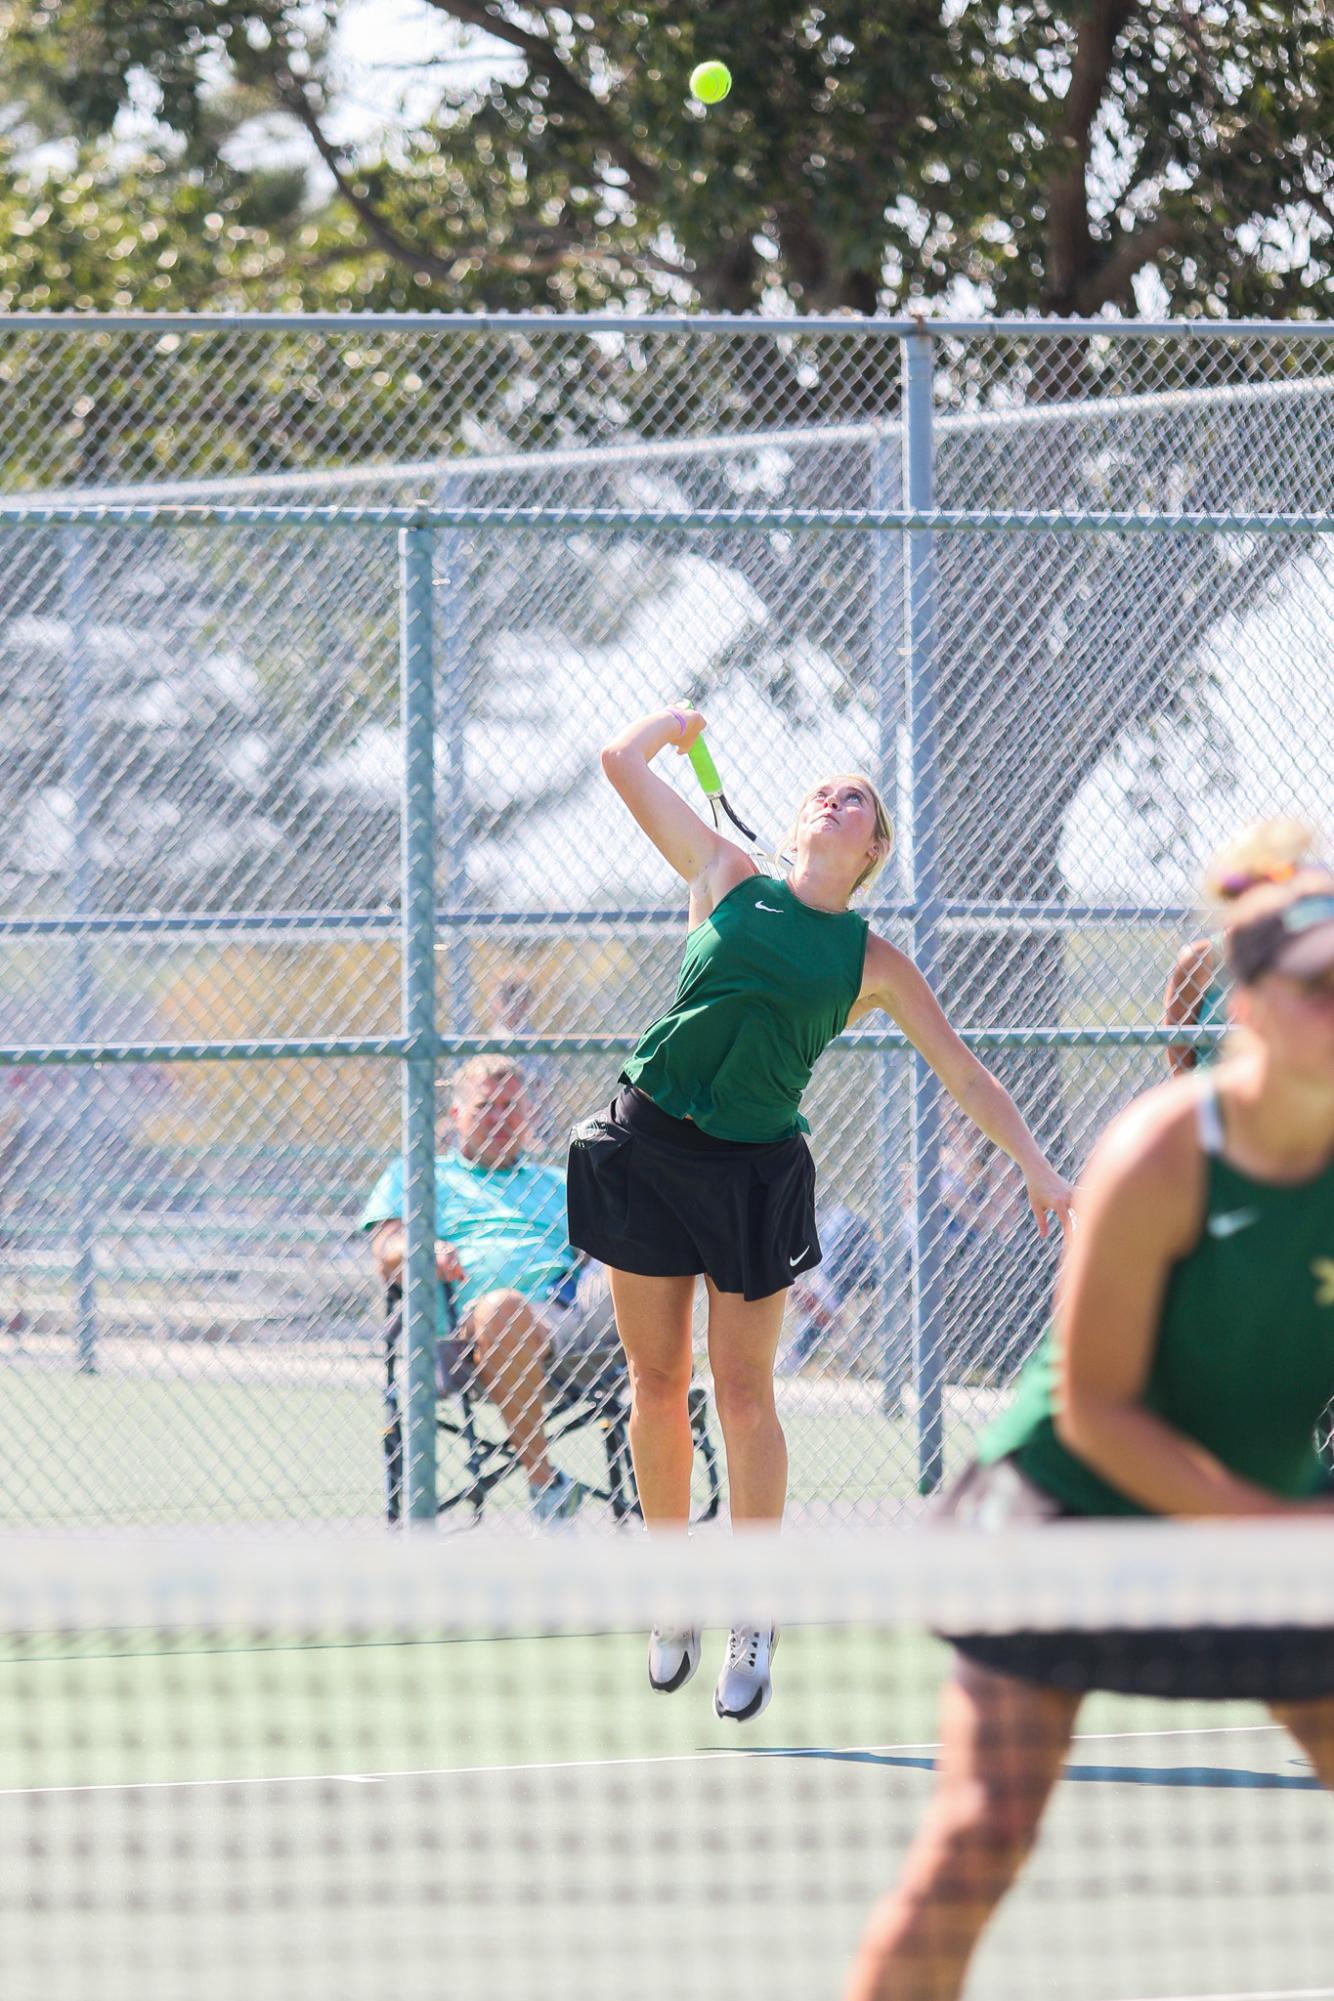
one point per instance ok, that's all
(928, 1320)
(452, 491)
(81, 878)
(420, 1286)
(887, 473)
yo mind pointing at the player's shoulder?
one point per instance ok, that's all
(729, 867)
(1154, 1142)
(1144, 1185)
(384, 1204)
(884, 962)
(727, 870)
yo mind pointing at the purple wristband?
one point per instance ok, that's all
(680, 720)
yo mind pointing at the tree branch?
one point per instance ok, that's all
(1098, 35)
(554, 252)
(1128, 254)
(643, 178)
(1144, 168)
(1131, 253)
(1069, 236)
(293, 98)
(727, 280)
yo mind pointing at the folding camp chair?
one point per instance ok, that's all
(582, 1391)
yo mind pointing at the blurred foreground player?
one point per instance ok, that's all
(1188, 1368)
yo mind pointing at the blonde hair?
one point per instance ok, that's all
(1267, 866)
(884, 827)
(1268, 852)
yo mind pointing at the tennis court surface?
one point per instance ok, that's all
(262, 1769)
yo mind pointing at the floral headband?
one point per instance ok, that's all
(1241, 880)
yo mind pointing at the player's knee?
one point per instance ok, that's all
(745, 1406)
(657, 1391)
(984, 1831)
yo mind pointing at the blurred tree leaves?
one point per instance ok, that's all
(1020, 155)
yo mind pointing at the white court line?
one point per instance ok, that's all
(1251, 1994)
(774, 1751)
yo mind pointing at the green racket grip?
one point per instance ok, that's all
(704, 768)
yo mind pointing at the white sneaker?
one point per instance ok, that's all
(744, 1686)
(672, 1659)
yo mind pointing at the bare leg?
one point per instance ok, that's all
(1312, 1724)
(510, 1343)
(653, 1321)
(743, 1338)
(1002, 1746)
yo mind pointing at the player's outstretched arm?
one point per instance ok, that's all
(689, 844)
(892, 982)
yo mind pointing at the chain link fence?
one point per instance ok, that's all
(310, 631)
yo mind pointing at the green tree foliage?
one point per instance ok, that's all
(1039, 154)
(108, 234)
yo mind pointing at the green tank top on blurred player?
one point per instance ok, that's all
(766, 984)
(1244, 1359)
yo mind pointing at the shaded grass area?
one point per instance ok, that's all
(118, 1449)
(138, 1450)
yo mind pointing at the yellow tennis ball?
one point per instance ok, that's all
(710, 82)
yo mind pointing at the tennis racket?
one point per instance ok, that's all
(763, 852)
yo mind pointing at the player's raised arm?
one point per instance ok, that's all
(681, 837)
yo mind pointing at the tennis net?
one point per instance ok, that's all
(263, 1769)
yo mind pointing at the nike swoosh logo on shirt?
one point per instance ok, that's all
(1232, 1220)
(775, 908)
(800, 1255)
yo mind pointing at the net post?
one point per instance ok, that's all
(928, 1319)
(81, 881)
(420, 1285)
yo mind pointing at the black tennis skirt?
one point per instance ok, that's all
(651, 1194)
(1201, 1663)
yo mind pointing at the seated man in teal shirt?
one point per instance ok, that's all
(525, 1308)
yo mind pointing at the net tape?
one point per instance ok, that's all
(1076, 1575)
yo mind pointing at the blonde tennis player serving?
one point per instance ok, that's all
(700, 1164)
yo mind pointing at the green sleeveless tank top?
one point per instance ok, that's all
(766, 984)
(1244, 1360)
